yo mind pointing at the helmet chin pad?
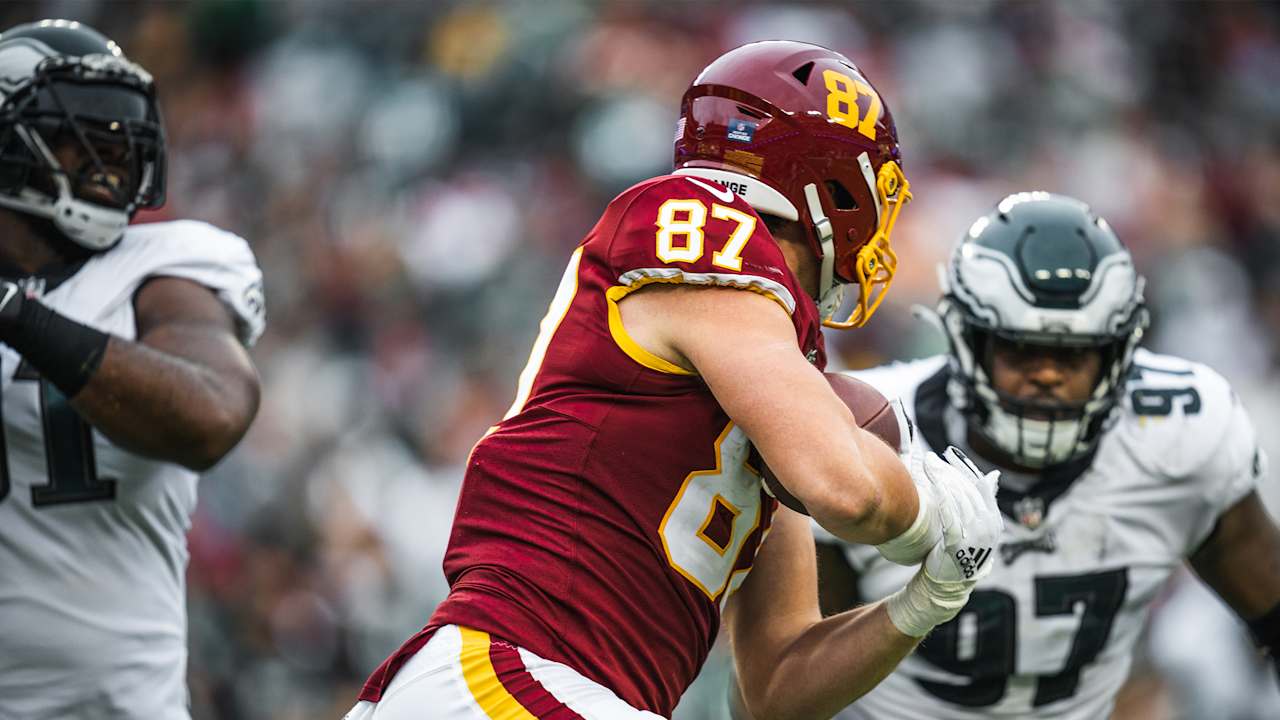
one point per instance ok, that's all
(89, 225)
(92, 226)
(1030, 441)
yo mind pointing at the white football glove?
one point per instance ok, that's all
(970, 524)
(967, 511)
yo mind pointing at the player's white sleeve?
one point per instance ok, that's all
(1231, 471)
(210, 256)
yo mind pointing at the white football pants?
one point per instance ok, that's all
(460, 674)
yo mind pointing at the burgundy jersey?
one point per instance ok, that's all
(604, 522)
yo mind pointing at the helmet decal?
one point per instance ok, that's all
(842, 105)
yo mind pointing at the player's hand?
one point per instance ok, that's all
(970, 526)
(968, 517)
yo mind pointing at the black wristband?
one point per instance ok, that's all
(65, 352)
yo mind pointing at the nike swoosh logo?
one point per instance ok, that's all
(8, 295)
(723, 194)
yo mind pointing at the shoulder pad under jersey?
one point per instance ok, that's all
(678, 229)
(899, 380)
(202, 253)
(1182, 421)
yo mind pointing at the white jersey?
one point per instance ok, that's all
(92, 538)
(1050, 633)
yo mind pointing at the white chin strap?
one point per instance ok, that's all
(829, 292)
(90, 225)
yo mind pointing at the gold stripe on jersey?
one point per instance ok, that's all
(630, 346)
(642, 356)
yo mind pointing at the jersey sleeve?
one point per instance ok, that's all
(219, 260)
(1231, 471)
(693, 231)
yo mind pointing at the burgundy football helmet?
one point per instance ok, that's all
(799, 132)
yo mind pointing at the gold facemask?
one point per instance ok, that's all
(876, 261)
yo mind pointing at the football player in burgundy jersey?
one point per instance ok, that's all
(606, 520)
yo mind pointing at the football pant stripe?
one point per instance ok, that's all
(482, 680)
(383, 675)
(527, 690)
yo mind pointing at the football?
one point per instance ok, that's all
(869, 407)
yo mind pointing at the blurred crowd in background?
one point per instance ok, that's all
(414, 175)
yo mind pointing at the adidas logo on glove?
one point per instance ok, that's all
(971, 559)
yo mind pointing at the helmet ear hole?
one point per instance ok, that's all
(841, 196)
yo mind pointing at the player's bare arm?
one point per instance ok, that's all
(798, 665)
(791, 663)
(744, 347)
(837, 580)
(1241, 562)
(186, 391)
(837, 593)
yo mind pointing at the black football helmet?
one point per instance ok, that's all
(1040, 269)
(81, 141)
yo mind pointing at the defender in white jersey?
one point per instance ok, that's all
(1117, 465)
(123, 372)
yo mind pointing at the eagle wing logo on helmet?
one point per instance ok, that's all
(101, 66)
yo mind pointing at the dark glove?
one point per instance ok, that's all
(63, 351)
